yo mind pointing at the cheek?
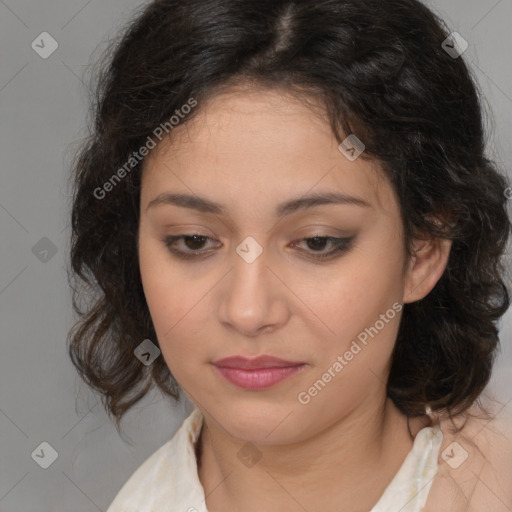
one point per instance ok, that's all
(176, 312)
(352, 297)
(165, 295)
(359, 308)
(154, 281)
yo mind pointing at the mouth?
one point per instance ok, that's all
(257, 363)
(259, 373)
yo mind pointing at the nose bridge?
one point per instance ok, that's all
(250, 298)
(250, 285)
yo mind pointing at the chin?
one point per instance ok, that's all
(269, 424)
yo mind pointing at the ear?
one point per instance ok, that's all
(426, 267)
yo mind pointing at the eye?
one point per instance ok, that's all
(195, 244)
(318, 242)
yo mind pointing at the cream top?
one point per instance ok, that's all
(167, 481)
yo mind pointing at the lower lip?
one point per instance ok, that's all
(257, 379)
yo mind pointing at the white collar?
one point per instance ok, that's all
(168, 479)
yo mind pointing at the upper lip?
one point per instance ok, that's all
(256, 363)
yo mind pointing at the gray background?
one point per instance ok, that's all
(43, 108)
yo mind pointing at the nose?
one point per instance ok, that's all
(253, 299)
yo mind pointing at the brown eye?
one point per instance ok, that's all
(194, 244)
(318, 243)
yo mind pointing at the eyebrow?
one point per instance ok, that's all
(286, 208)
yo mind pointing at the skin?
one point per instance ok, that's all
(482, 482)
(250, 150)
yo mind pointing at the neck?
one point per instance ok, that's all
(350, 462)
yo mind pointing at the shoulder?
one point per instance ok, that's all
(131, 498)
(475, 465)
(165, 476)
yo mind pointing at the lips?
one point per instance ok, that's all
(256, 374)
(258, 363)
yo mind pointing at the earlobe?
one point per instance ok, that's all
(426, 267)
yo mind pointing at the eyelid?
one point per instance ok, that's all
(323, 232)
(341, 245)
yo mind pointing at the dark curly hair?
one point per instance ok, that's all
(382, 73)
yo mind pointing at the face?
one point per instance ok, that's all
(307, 286)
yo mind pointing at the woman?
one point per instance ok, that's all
(287, 212)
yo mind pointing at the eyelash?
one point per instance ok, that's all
(341, 245)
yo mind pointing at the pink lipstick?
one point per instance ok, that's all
(259, 373)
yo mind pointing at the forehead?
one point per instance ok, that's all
(253, 147)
